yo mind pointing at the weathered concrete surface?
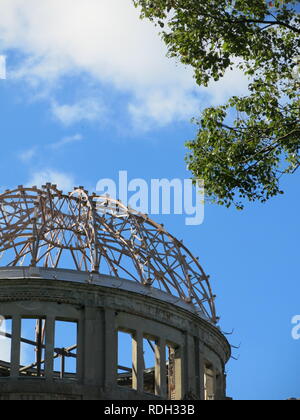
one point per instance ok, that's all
(103, 305)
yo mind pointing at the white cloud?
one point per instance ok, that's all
(65, 141)
(27, 155)
(2, 67)
(233, 83)
(87, 110)
(107, 41)
(64, 181)
(163, 107)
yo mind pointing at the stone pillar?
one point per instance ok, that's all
(197, 368)
(15, 346)
(160, 369)
(202, 373)
(210, 383)
(137, 362)
(190, 367)
(179, 374)
(219, 395)
(93, 352)
(80, 348)
(49, 353)
(215, 388)
(111, 349)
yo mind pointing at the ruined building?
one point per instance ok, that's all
(100, 302)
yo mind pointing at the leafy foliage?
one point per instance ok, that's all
(244, 146)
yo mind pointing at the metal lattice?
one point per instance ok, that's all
(45, 227)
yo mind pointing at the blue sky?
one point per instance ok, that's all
(89, 93)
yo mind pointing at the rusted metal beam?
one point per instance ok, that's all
(45, 227)
(58, 353)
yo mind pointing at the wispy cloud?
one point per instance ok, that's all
(106, 41)
(66, 141)
(2, 67)
(64, 181)
(163, 107)
(87, 110)
(27, 155)
(37, 151)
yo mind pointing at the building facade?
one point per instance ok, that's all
(80, 334)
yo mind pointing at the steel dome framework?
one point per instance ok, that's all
(48, 228)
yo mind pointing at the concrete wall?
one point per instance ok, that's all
(101, 310)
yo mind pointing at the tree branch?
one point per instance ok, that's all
(267, 22)
(270, 147)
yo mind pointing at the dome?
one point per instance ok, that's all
(44, 227)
